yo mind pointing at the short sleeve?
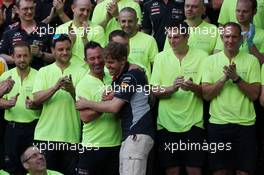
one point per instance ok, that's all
(126, 88)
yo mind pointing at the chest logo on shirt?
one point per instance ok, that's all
(124, 85)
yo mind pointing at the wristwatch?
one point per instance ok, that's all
(237, 80)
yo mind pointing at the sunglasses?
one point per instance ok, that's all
(58, 36)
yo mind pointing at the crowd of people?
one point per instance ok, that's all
(152, 87)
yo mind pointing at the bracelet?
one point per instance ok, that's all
(237, 80)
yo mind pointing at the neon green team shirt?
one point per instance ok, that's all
(202, 37)
(100, 13)
(257, 40)
(49, 172)
(228, 13)
(143, 49)
(262, 75)
(95, 33)
(232, 106)
(19, 113)
(2, 172)
(59, 120)
(104, 131)
(183, 109)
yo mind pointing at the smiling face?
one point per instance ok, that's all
(26, 10)
(95, 60)
(128, 22)
(62, 52)
(34, 161)
(81, 10)
(114, 66)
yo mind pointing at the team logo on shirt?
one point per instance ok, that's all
(124, 85)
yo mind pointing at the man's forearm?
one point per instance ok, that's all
(163, 92)
(63, 17)
(252, 91)
(210, 91)
(197, 90)
(42, 96)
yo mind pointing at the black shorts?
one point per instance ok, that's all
(241, 152)
(177, 149)
(99, 161)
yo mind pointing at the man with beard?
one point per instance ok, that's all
(21, 121)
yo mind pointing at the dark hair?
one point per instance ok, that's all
(59, 38)
(18, 2)
(254, 3)
(119, 33)
(233, 24)
(181, 26)
(21, 44)
(90, 45)
(116, 51)
(129, 10)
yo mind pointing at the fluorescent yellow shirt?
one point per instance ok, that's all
(228, 13)
(202, 37)
(49, 172)
(19, 113)
(2, 172)
(262, 75)
(95, 33)
(232, 105)
(100, 12)
(143, 49)
(183, 109)
(59, 120)
(104, 131)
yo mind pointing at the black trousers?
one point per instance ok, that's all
(18, 136)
